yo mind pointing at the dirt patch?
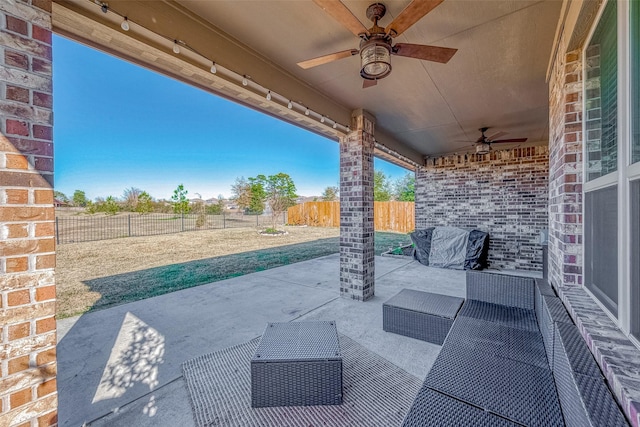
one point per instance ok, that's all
(96, 275)
(79, 263)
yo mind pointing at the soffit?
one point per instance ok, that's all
(496, 79)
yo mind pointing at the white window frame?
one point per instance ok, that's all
(626, 172)
(631, 171)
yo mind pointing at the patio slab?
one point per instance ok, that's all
(121, 366)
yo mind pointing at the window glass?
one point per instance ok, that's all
(601, 245)
(635, 255)
(601, 96)
(635, 81)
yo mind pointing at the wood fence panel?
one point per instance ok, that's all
(317, 214)
(387, 216)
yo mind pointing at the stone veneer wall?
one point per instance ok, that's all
(504, 193)
(28, 392)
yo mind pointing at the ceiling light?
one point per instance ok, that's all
(307, 112)
(269, 96)
(335, 125)
(375, 57)
(213, 68)
(245, 81)
(322, 119)
(290, 105)
(483, 148)
(125, 24)
(176, 48)
(104, 7)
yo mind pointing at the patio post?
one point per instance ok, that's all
(357, 263)
(28, 390)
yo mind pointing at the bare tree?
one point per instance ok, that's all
(330, 194)
(241, 193)
(130, 197)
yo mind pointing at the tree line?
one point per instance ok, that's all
(136, 200)
(253, 195)
(384, 189)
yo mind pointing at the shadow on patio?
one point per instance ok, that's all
(121, 366)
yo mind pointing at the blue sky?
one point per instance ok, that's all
(118, 126)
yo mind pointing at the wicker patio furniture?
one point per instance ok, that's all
(297, 364)
(421, 315)
(513, 355)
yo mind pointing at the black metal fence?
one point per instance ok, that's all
(84, 228)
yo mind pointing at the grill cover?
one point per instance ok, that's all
(451, 247)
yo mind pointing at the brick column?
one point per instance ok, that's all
(357, 263)
(565, 169)
(28, 395)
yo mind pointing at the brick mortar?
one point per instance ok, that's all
(565, 168)
(504, 193)
(357, 260)
(26, 163)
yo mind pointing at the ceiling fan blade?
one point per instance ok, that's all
(428, 53)
(497, 135)
(368, 83)
(510, 140)
(309, 63)
(343, 15)
(410, 15)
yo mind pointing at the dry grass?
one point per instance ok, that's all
(96, 275)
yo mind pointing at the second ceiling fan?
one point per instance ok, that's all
(376, 45)
(483, 143)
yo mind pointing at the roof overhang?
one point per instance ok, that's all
(422, 109)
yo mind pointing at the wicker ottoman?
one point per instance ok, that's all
(297, 364)
(421, 315)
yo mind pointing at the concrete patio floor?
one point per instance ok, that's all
(121, 366)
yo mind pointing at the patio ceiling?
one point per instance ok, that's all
(496, 79)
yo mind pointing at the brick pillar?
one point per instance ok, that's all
(565, 169)
(357, 263)
(28, 393)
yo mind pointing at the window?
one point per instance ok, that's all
(601, 98)
(635, 82)
(634, 187)
(601, 245)
(612, 163)
(635, 255)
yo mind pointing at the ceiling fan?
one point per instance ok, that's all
(483, 143)
(376, 45)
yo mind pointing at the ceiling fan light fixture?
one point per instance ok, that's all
(375, 58)
(483, 148)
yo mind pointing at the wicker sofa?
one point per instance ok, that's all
(513, 357)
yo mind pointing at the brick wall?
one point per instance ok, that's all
(504, 193)
(357, 261)
(28, 394)
(565, 169)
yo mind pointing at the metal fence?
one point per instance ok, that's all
(82, 228)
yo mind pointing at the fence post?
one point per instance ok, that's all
(129, 224)
(257, 225)
(57, 232)
(224, 220)
(182, 221)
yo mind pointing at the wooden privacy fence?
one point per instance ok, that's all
(387, 216)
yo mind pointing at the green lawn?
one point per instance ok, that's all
(137, 285)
